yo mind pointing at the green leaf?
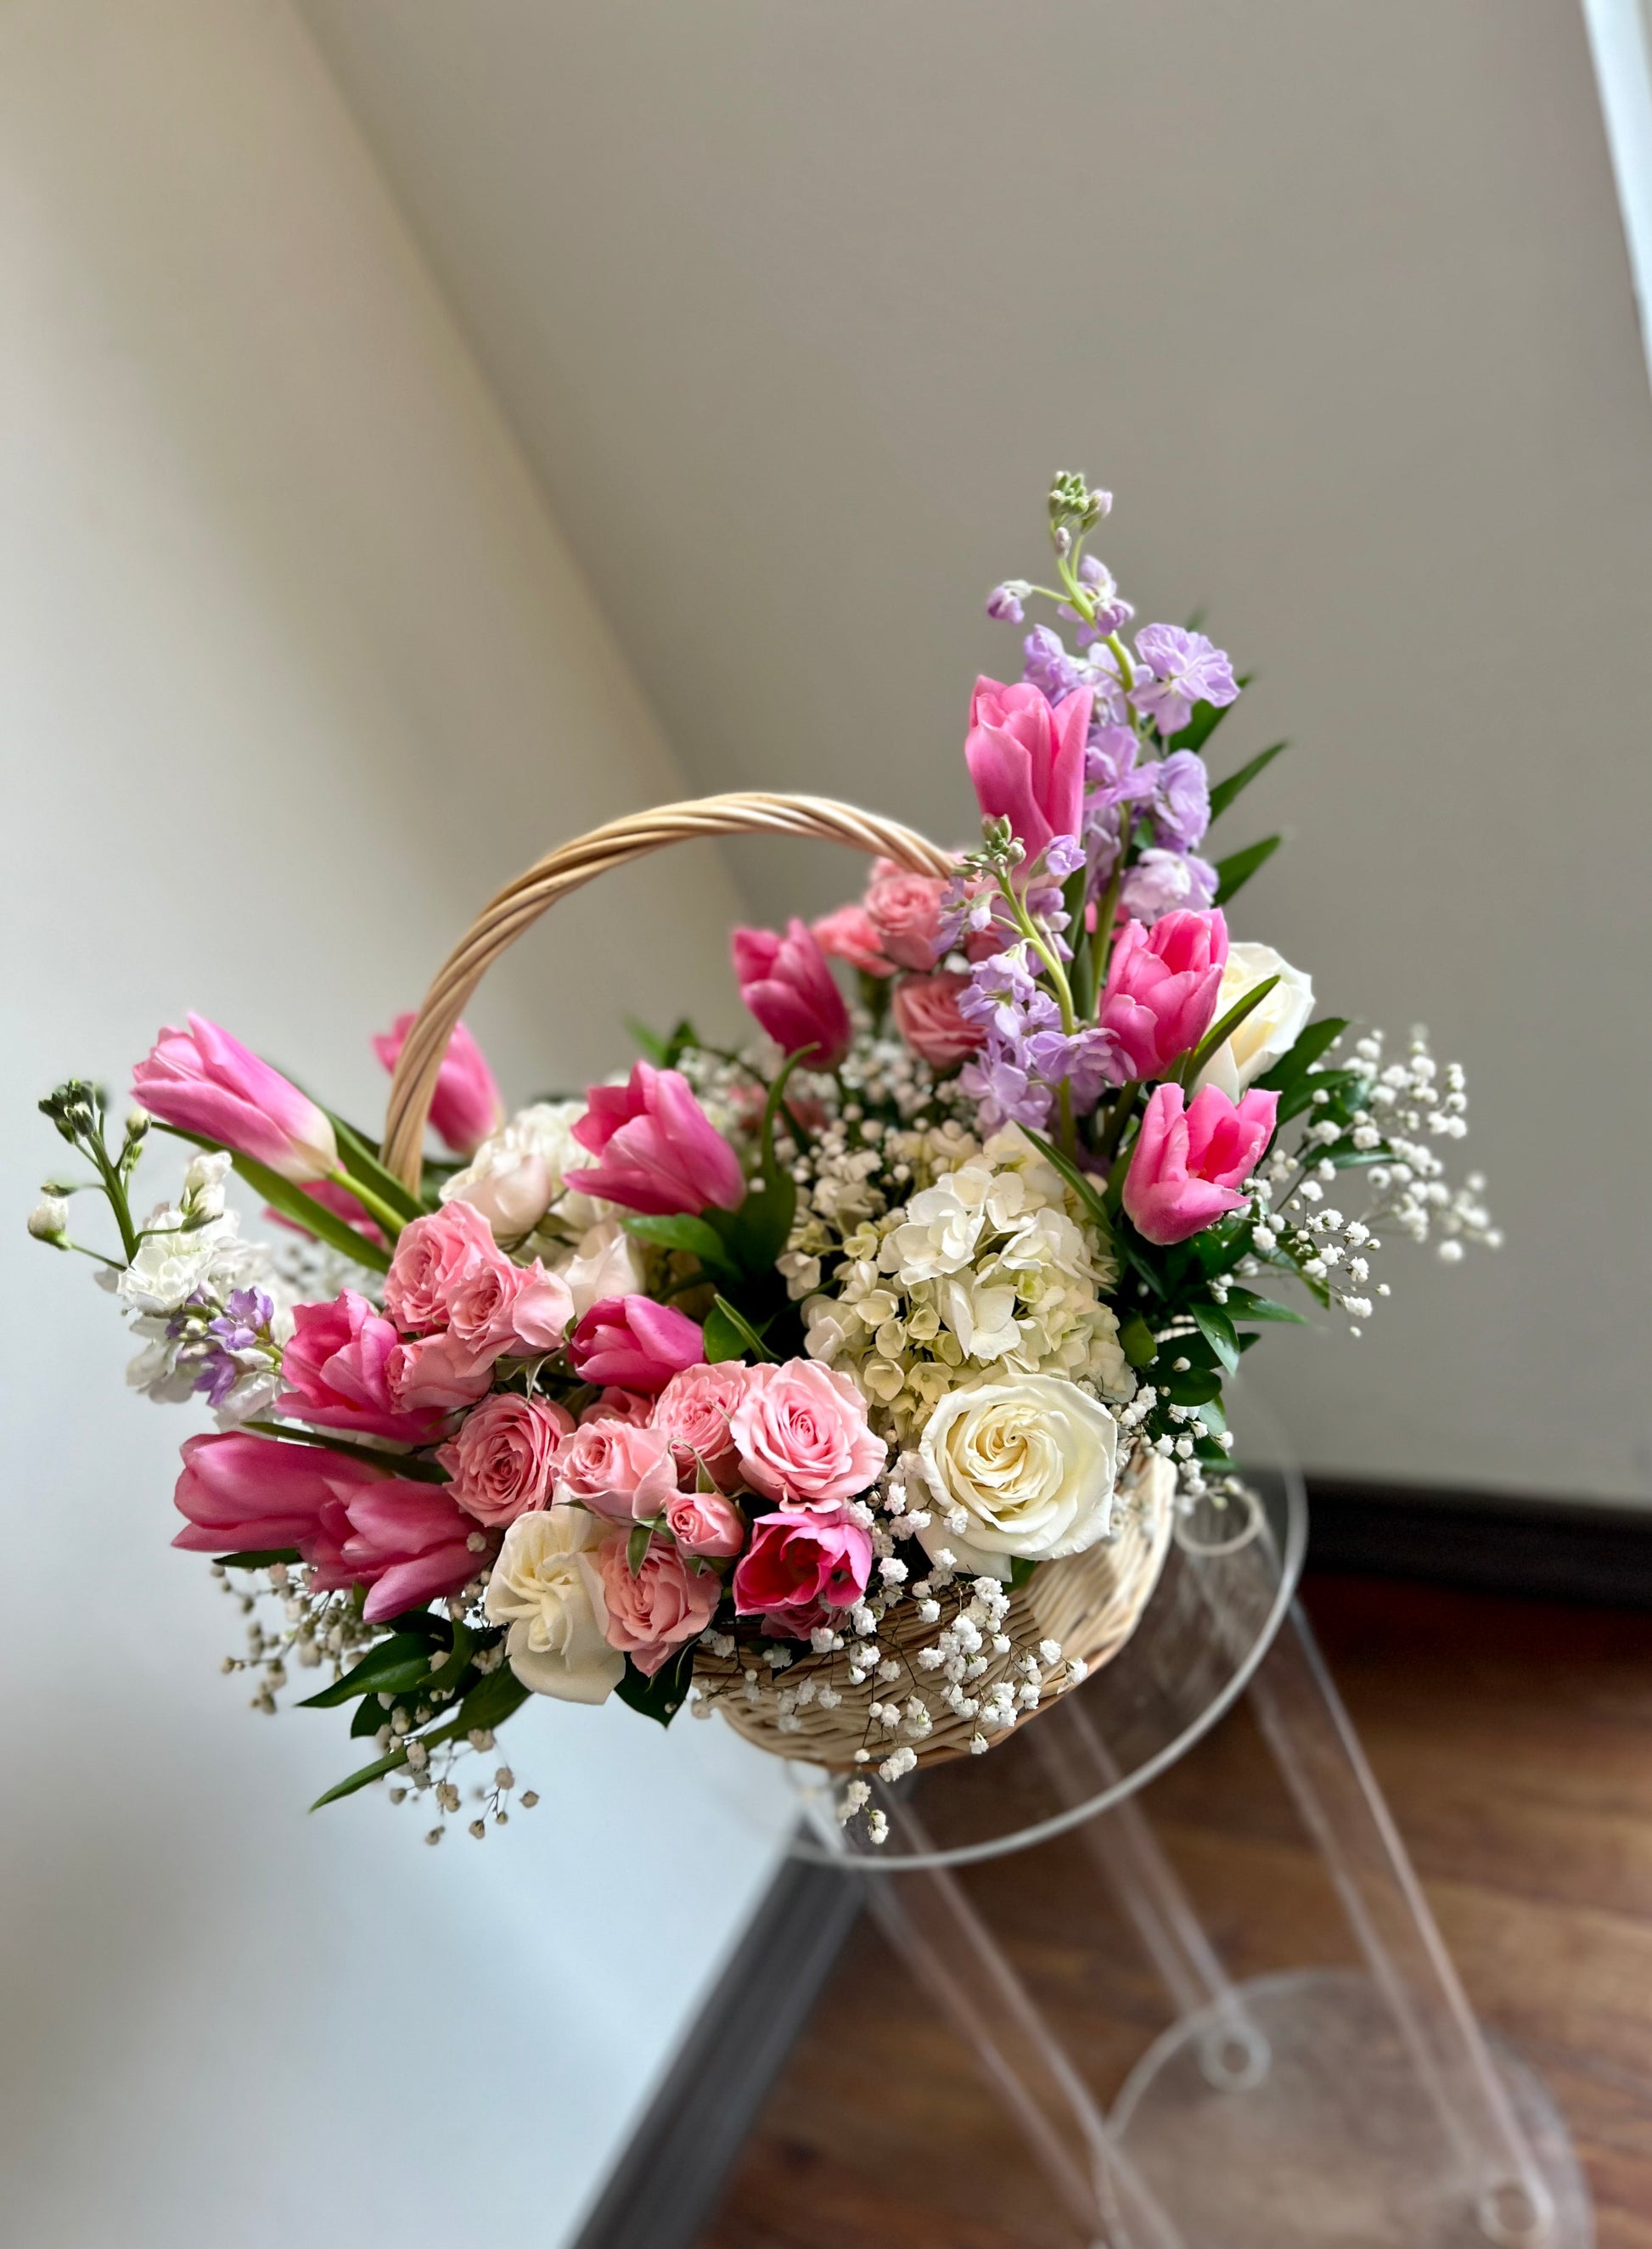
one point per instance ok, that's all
(1021, 1569)
(1245, 1304)
(666, 1052)
(1137, 1340)
(394, 1665)
(1225, 791)
(1311, 1042)
(758, 1230)
(1080, 1182)
(1218, 1332)
(490, 1702)
(1235, 872)
(679, 1231)
(1299, 1092)
(370, 1715)
(661, 1697)
(419, 1466)
(638, 1544)
(1199, 727)
(256, 1557)
(292, 1202)
(1193, 1388)
(361, 1160)
(1223, 1029)
(367, 1772)
(729, 1334)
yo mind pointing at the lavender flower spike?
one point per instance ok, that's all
(1186, 669)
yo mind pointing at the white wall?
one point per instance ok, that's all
(293, 671)
(798, 306)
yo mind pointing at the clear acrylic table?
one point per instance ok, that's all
(1328, 2108)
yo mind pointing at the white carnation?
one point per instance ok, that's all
(546, 1586)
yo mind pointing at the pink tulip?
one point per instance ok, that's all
(800, 1568)
(635, 1343)
(1162, 988)
(655, 1611)
(786, 983)
(467, 1105)
(926, 1015)
(850, 934)
(408, 1543)
(1186, 1167)
(245, 1493)
(1026, 757)
(658, 1151)
(204, 1081)
(336, 1366)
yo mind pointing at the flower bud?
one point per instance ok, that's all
(49, 1220)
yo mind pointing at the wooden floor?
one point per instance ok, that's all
(1515, 1743)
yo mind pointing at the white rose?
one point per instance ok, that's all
(605, 1261)
(518, 1171)
(1031, 1462)
(547, 1587)
(1269, 1030)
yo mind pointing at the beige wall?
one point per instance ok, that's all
(294, 669)
(797, 308)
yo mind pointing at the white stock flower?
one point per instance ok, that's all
(547, 1587)
(1031, 1461)
(1272, 1027)
(605, 1261)
(517, 1172)
(174, 1263)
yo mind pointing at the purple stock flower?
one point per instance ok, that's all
(1049, 667)
(243, 1323)
(1160, 880)
(1182, 800)
(1187, 668)
(1005, 1092)
(1113, 613)
(1089, 1060)
(1004, 602)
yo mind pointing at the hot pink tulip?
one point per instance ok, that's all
(504, 1458)
(1162, 988)
(1186, 1167)
(849, 933)
(658, 1151)
(635, 1343)
(926, 1016)
(245, 1493)
(800, 1568)
(408, 1543)
(335, 1367)
(434, 1256)
(204, 1081)
(622, 1469)
(1026, 757)
(786, 983)
(467, 1105)
(904, 909)
(652, 1614)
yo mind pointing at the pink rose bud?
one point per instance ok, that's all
(244, 1494)
(928, 1018)
(434, 1258)
(706, 1523)
(850, 934)
(1162, 988)
(409, 1544)
(504, 1458)
(786, 983)
(1185, 1169)
(436, 1374)
(657, 1150)
(652, 1614)
(204, 1081)
(693, 1409)
(904, 909)
(1026, 757)
(335, 1367)
(801, 1434)
(467, 1105)
(636, 1343)
(622, 1469)
(800, 1569)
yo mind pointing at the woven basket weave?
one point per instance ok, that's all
(1089, 1603)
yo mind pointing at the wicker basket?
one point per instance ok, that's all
(1091, 1603)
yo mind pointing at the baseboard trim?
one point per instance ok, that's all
(667, 2182)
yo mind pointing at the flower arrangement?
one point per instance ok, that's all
(820, 1381)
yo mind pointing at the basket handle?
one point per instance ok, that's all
(521, 903)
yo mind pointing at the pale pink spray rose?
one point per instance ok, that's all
(502, 1310)
(704, 1523)
(635, 1343)
(906, 910)
(434, 1257)
(1161, 989)
(799, 1569)
(927, 1017)
(616, 1405)
(204, 1081)
(849, 933)
(801, 1434)
(622, 1469)
(650, 1615)
(437, 1374)
(336, 1366)
(657, 1151)
(693, 1409)
(1026, 758)
(466, 1105)
(1187, 1166)
(503, 1461)
(786, 983)
(408, 1543)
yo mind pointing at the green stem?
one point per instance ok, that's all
(391, 1220)
(1057, 975)
(1119, 1119)
(1069, 1130)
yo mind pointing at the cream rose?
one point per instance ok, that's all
(1031, 1465)
(516, 1174)
(1269, 1030)
(605, 1261)
(547, 1585)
